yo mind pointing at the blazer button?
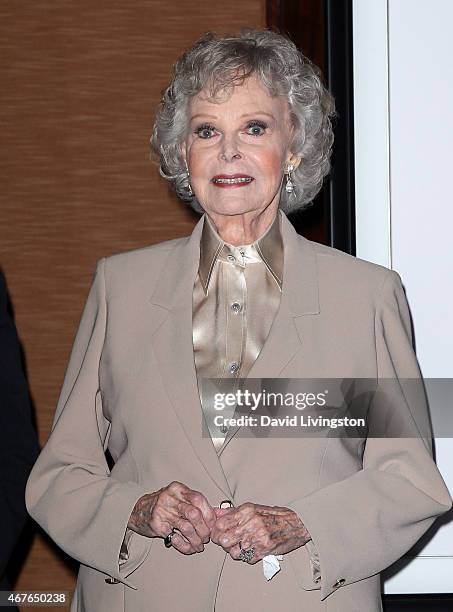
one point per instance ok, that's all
(338, 583)
(111, 580)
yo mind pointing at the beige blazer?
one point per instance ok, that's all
(131, 386)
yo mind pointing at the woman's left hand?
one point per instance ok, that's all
(269, 530)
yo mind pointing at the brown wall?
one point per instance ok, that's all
(79, 84)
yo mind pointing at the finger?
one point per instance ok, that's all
(235, 552)
(177, 490)
(182, 545)
(171, 509)
(270, 509)
(227, 539)
(219, 512)
(249, 531)
(189, 532)
(195, 518)
(199, 500)
(231, 520)
(172, 495)
(178, 541)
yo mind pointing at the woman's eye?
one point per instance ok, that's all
(257, 128)
(205, 131)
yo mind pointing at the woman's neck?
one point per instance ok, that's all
(241, 230)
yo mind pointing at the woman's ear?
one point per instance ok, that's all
(294, 160)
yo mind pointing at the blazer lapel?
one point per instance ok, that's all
(173, 346)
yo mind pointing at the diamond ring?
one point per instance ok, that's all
(246, 554)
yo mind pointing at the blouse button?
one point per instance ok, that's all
(233, 367)
(231, 258)
(236, 307)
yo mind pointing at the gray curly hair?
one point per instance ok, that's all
(221, 63)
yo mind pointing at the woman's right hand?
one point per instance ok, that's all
(175, 506)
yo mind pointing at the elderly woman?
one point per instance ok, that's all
(244, 135)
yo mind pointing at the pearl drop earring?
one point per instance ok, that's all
(289, 187)
(189, 186)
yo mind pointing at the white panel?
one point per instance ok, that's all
(403, 98)
(421, 99)
(423, 575)
(421, 133)
(371, 141)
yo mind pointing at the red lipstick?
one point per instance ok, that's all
(231, 180)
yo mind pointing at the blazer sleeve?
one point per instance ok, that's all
(70, 491)
(364, 523)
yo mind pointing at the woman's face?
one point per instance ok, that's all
(237, 150)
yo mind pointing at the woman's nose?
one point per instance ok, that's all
(229, 151)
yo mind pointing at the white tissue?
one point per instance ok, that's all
(271, 565)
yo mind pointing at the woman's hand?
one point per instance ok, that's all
(175, 506)
(269, 530)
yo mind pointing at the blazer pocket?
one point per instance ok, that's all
(306, 575)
